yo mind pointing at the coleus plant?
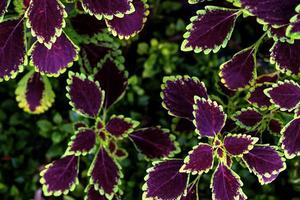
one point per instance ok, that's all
(40, 30)
(186, 97)
(211, 29)
(92, 96)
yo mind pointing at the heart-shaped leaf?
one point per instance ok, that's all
(178, 94)
(34, 93)
(200, 160)
(238, 72)
(131, 24)
(119, 126)
(82, 141)
(55, 60)
(285, 56)
(105, 174)
(210, 29)
(164, 181)
(154, 142)
(265, 162)
(85, 94)
(46, 20)
(60, 177)
(226, 184)
(239, 144)
(290, 138)
(248, 118)
(285, 95)
(209, 118)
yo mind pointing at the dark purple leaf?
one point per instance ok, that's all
(119, 126)
(154, 142)
(92, 28)
(108, 8)
(3, 8)
(238, 144)
(275, 126)
(265, 162)
(248, 118)
(209, 117)
(238, 72)
(164, 181)
(267, 78)
(210, 29)
(60, 177)
(199, 160)
(285, 95)
(85, 95)
(278, 33)
(183, 125)
(285, 56)
(290, 138)
(274, 12)
(105, 173)
(121, 154)
(131, 24)
(226, 184)
(12, 48)
(54, 61)
(79, 125)
(258, 98)
(293, 29)
(34, 93)
(178, 95)
(46, 20)
(112, 146)
(113, 81)
(83, 141)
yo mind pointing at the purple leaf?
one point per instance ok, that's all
(238, 72)
(82, 142)
(274, 12)
(105, 174)
(46, 20)
(248, 118)
(108, 8)
(210, 29)
(285, 95)
(12, 48)
(199, 160)
(209, 118)
(131, 24)
(112, 146)
(60, 177)
(275, 126)
(54, 61)
(178, 95)
(154, 142)
(79, 125)
(278, 33)
(226, 184)
(238, 144)
(164, 181)
(258, 98)
(119, 126)
(293, 29)
(3, 8)
(113, 81)
(267, 78)
(34, 93)
(92, 28)
(290, 138)
(285, 56)
(121, 154)
(85, 94)
(265, 162)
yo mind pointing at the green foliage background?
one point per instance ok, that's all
(27, 142)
